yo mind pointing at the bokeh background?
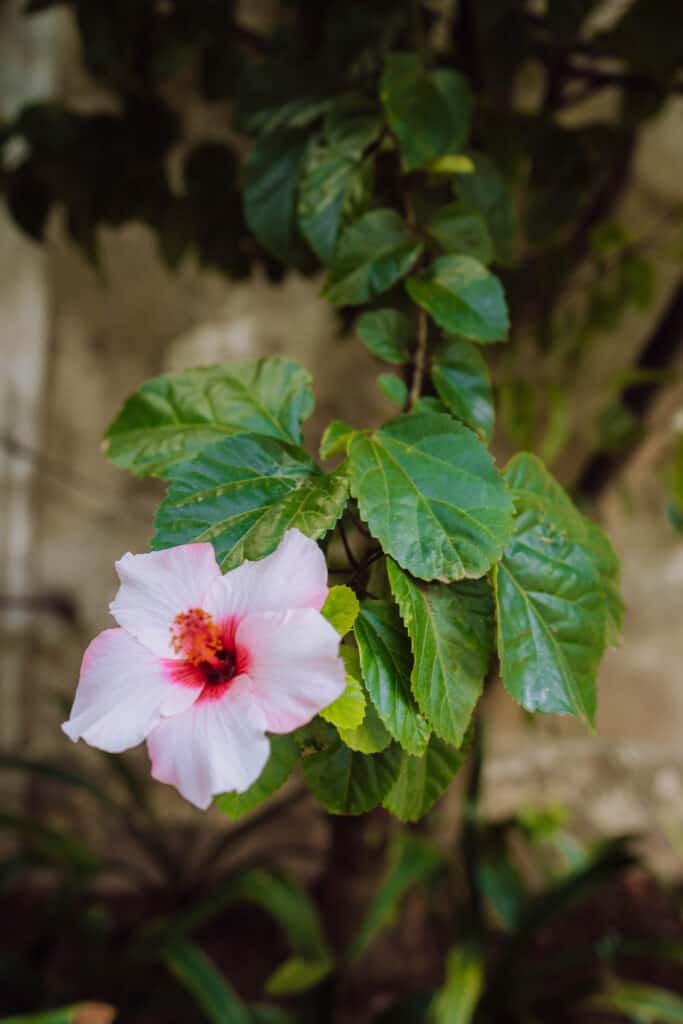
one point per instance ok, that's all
(76, 340)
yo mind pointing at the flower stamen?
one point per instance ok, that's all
(195, 636)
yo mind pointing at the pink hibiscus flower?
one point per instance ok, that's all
(205, 664)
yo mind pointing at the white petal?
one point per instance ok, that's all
(122, 693)
(217, 746)
(158, 586)
(294, 576)
(294, 665)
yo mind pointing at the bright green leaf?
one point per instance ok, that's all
(463, 297)
(430, 493)
(461, 378)
(174, 416)
(461, 230)
(422, 780)
(451, 634)
(387, 333)
(347, 711)
(271, 180)
(429, 111)
(279, 766)
(374, 252)
(457, 1001)
(297, 975)
(243, 493)
(394, 388)
(369, 736)
(344, 781)
(451, 164)
(386, 663)
(336, 439)
(341, 609)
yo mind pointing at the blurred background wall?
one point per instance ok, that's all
(76, 341)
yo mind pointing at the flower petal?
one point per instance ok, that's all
(294, 576)
(156, 587)
(294, 665)
(217, 746)
(122, 693)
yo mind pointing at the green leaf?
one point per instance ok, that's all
(386, 663)
(461, 378)
(347, 711)
(279, 766)
(457, 1001)
(53, 846)
(394, 388)
(429, 491)
(387, 333)
(335, 439)
(344, 781)
(341, 609)
(333, 176)
(423, 780)
(369, 736)
(297, 975)
(451, 634)
(463, 297)
(210, 990)
(645, 1004)
(549, 599)
(459, 229)
(607, 562)
(451, 164)
(174, 416)
(414, 861)
(374, 252)
(243, 493)
(272, 172)
(429, 111)
(485, 190)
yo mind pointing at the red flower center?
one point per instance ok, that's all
(208, 656)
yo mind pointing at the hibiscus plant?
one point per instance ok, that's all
(234, 657)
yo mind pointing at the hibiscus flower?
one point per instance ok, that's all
(205, 664)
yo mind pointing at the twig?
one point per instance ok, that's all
(420, 359)
(347, 547)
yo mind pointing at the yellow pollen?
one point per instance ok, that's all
(195, 635)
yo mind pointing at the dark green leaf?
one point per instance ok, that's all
(373, 254)
(174, 416)
(386, 663)
(270, 189)
(549, 596)
(461, 230)
(210, 990)
(394, 388)
(52, 846)
(451, 634)
(387, 333)
(463, 297)
(344, 781)
(422, 780)
(429, 111)
(414, 862)
(279, 766)
(485, 190)
(333, 177)
(462, 381)
(243, 493)
(430, 493)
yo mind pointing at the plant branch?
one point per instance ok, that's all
(420, 359)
